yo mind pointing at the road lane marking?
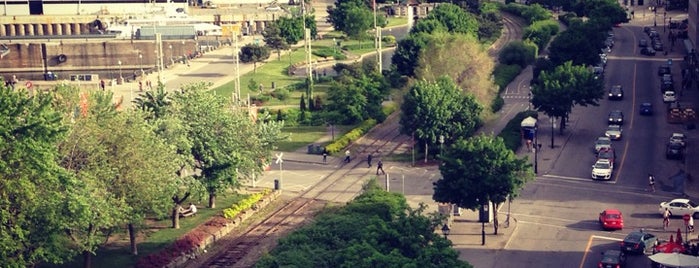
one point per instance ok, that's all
(589, 244)
(514, 232)
(542, 217)
(544, 224)
(633, 114)
(576, 179)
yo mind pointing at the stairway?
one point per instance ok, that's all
(320, 8)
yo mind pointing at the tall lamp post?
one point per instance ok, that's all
(121, 78)
(172, 61)
(140, 58)
(441, 144)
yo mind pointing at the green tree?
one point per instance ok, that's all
(291, 29)
(489, 26)
(273, 39)
(36, 192)
(517, 52)
(253, 53)
(555, 93)
(353, 17)
(579, 44)
(480, 170)
(347, 237)
(226, 144)
(407, 53)
(153, 102)
(455, 19)
(434, 109)
(357, 94)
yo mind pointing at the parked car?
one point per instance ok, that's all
(680, 207)
(646, 108)
(669, 96)
(679, 138)
(608, 154)
(611, 219)
(612, 259)
(638, 242)
(613, 132)
(602, 142)
(674, 150)
(648, 51)
(616, 92)
(616, 117)
(602, 170)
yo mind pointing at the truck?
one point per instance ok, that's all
(681, 113)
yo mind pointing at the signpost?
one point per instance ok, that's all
(280, 161)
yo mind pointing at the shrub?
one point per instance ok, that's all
(530, 13)
(497, 104)
(281, 94)
(504, 74)
(390, 40)
(540, 32)
(247, 203)
(351, 136)
(517, 52)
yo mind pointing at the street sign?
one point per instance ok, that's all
(279, 158)
(686, 219)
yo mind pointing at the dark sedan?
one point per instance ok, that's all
(612, 259)
(638, 242)
(616, 117)
(646, 108)
(674, 150)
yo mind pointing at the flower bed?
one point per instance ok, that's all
(194, 242)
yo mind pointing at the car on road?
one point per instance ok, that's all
(674, 150)
(646, 108)
(616, 117)
(658, 46)
(616, 92)
(663, 70)
(648, 51)
(607, 153)
(679, 138)
(679, 207)
(602, 170)
(613, 132)
(612, 259)
(669, 96)
(611, 219)
(602, 142)
(638, 242)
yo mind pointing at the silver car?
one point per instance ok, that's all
(613, 132)
(602, 142)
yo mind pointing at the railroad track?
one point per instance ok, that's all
(512, 30)
(340, 186)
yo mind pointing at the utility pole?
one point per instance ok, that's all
(307, 47)
(159, 59)
(377, 38)
(236, 55)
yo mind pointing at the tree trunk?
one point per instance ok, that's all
(176, 216)
(426, 152)
(279, 54)
(132, 238)
(87, 259)
(212, 200)
(495, 218)
(562, 124)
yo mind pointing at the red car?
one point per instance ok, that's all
(611, 219)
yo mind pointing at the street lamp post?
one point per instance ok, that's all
(172, 61)
(121, 78)
(140, 58)
(446, 230)
(441, 144)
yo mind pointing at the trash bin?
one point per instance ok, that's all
(274, 85)
(277, 185)
(310, 149)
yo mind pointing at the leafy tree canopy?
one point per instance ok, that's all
(377, 229)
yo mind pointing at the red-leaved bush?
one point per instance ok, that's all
(188, 244)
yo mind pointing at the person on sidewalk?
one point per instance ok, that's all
(347, 156)
(666, 218)
(651, 183)
(325, 156)
(379, 166)
(368, 159)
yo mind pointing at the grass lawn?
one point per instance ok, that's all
(302, 136)
(117, 254)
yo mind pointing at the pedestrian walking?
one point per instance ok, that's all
(690, 224)
(666, 218)
(347, 156)
(368, 159)
(102, 84)
(140, 85)
(325, 156)
(651, 183)
(379, 166)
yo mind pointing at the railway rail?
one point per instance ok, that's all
(340, 186)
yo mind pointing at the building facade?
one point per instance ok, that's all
(81, 7)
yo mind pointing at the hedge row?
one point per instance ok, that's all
(504, 74)
(351, 136)
(233, 211)
(541, 32)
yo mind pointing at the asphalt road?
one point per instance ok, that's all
(557, 215)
